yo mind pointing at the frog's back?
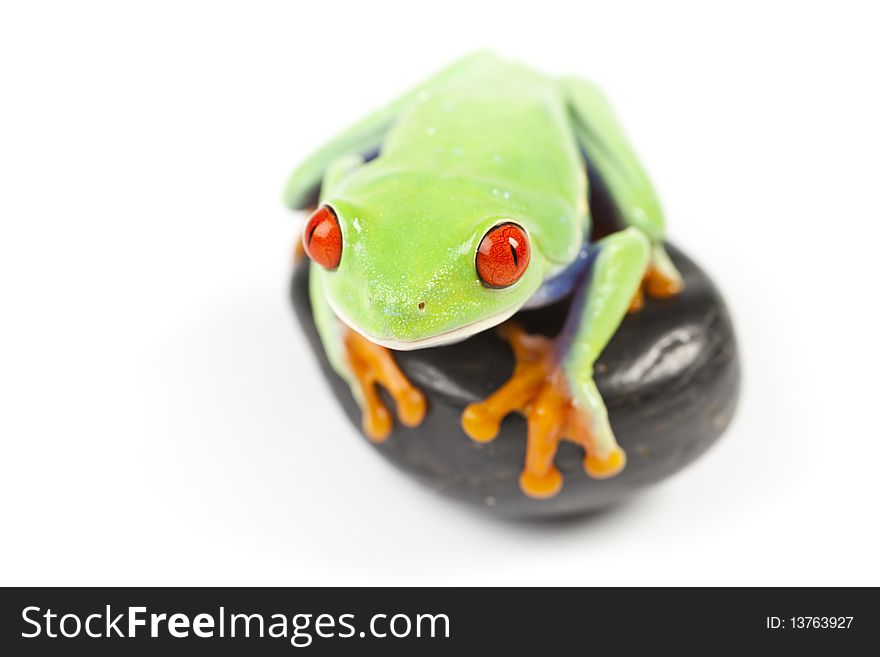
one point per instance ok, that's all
(504, 127)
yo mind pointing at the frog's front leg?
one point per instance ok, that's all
(365, 365)
(552, 383)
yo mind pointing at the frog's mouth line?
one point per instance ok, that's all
(448, 337)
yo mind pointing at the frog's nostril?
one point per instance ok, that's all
(422, 305)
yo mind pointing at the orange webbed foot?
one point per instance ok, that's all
(372, 364)
(539, 390)
(657, 284)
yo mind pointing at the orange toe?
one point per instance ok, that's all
(605, 466)
(660, 285)
(541, 486)
(480, 424)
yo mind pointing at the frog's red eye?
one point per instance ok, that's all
(322, 238)
(503, 255)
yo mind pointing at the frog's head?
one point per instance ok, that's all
(421, 263)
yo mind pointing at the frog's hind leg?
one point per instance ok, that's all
(614, 162)
(552, 383)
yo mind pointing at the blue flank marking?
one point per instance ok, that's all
(561, 285)
(576, 277)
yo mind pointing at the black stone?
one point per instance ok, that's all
(670, 378)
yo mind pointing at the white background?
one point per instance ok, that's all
(162, 419)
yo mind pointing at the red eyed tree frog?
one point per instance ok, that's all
(475, 207)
